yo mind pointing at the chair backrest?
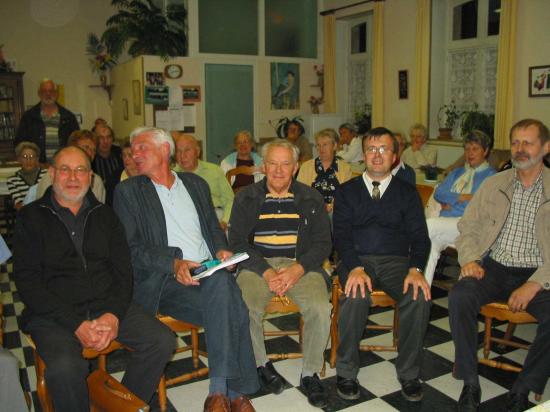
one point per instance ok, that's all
(241, 170)
(425, 192)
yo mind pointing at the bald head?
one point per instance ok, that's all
(47, 92)
(188, 151)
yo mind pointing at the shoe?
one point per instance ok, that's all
(316, 394)
(217, 403)
(270, 380)
(470, 398)
(517, 402)
(242, 404)
(411, 390)
(347, 389)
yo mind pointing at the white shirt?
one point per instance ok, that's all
(182, 221)
(384, 183)
(353, 152)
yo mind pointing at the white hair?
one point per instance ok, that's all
(160, 136)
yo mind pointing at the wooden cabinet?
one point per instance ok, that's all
(11, 110)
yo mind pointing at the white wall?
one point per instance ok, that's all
(50, 42)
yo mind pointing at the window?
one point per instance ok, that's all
(291, 28)
(465, 20)
(359, 38)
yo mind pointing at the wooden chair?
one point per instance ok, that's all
(179, 326)
(40, 368)
(379, 298)
(285, 305)
(241, 170)
(425, 192)
(501, 311)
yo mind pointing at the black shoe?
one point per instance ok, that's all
(470, 398)
(412, 390)
(347, 389)
(270, 380)
(316, 394)
(517, 402)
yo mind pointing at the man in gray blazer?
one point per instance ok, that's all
(171, 226)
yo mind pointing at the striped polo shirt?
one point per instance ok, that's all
(52, 134)
(276, 232)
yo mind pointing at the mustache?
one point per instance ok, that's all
(522, 154)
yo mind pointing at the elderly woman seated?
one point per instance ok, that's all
(454, 193)
(30, 173)
(419, 154)
(130, 167)
(243, 156)
(326, 172)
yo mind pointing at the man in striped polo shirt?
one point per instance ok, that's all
(283, 226)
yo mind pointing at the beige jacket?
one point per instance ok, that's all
(486, 214)
(307, 173)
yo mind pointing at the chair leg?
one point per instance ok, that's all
(102, 362)
(334, 326)
(162, 393)
(41, 388)
(487, 337)
(510, 329)
(195, 347)
(395, 330)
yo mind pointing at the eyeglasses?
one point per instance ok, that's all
(28, 156)
(80, 171)
(378, 149)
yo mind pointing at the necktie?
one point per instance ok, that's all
(375, 191)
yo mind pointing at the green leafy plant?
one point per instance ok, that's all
(146, 29)
(448, 115)
(101, 59)
(363, 118)
(475, 119)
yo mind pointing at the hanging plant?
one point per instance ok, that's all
(144, 28)
(101, 59)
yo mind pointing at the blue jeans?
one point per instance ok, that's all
(217, 305)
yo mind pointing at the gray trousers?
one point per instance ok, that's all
(387, 273)
(11, 394)
(309, 293)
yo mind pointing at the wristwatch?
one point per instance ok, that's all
(419, 270)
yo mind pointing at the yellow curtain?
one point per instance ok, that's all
(329, 37)
(422, 63)
(378, 66)
(504, 109)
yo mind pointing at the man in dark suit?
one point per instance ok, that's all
(171, 226)
(381, 237)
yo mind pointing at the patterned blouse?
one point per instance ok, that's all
(326, 181)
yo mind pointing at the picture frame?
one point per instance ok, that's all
(125, 109)
(191, 93)
(403, 84)
(285, 86)
(136, 96)
(539, 81)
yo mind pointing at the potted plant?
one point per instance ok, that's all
(477, 120)
(101, 59)
(447, 117)
(147, 29)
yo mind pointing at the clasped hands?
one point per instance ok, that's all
(358, 279)
(518, 300)
(183, 267)
(281, 280)
(98, 333)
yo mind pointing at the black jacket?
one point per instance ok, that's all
(54, 281)
(314, 243)
(31, 128)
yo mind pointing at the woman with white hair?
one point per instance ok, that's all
(243, 156)
(326, 172)
(419, 154)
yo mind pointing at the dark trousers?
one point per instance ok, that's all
(152, 346)
(465, 301)
(218, 306)
(387, 273)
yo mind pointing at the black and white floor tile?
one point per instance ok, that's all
(380, 390)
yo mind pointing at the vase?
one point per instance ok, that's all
(315, 108)
(445, 133)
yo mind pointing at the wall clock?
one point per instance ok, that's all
(173, 71)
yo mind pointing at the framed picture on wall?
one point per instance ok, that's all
(136, 96)
(191, 94)
(125, 109)
(285, 86)
(539, 81)
(403, 84)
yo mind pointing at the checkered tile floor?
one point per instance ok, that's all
(380, 390)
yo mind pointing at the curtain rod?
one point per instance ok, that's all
(332, 11)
